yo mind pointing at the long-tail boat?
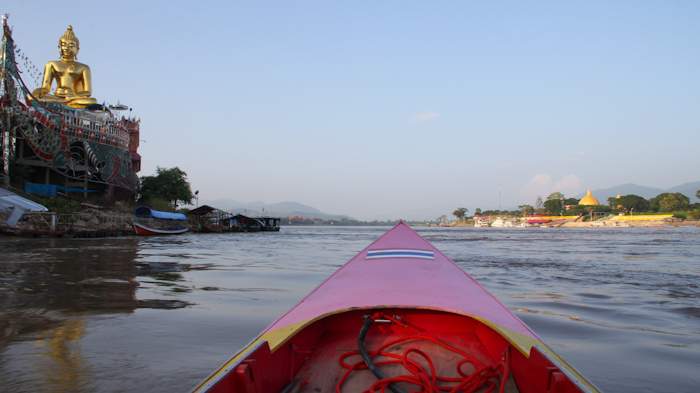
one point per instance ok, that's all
(399, 315)
(148, 222)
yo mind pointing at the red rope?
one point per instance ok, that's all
(427, 380)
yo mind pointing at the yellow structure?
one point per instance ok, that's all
(651, 217)
(619, 206)
(73, 79)
(589, 200)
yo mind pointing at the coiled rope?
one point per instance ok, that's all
(425, 380)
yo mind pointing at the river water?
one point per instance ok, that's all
(159, 314)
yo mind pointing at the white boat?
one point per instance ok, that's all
(498, 223)
(480, 222)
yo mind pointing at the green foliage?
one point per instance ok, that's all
(571, 201)
(576, 210)
(629, 203)
(558, 196)
(694, 215)
(553, 206)
(600, 208)
(668, 202)
(168, 184)
(654, 202)
(460, 212)
(500, 213)
(539, 205)
(161, 205)
(526, 209)
(61, 206)
(554, 203)
(674, 202)
(584, 209)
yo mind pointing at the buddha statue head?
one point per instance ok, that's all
(68, 45)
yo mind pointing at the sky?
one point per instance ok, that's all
(393, 109)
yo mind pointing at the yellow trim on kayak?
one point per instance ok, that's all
(274, 339)
(524, 344)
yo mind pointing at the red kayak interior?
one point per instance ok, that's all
(415, 349)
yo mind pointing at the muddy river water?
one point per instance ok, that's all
(159, 314)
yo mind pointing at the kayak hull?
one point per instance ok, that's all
(143, 230)
(419, 303)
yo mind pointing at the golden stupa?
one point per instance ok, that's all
(589, 200)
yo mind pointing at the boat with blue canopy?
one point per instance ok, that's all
(153, 222)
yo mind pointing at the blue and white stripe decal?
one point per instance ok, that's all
(402, 253)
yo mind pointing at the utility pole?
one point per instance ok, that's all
(499, 196)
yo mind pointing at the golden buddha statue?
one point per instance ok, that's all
(73, 79)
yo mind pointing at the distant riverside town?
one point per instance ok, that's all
(69, 168)
(557, 210)
(64, 212)
(671, 209)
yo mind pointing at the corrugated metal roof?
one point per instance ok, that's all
(9, 200)
(200, 211)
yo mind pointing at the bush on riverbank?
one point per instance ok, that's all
(158, 204)
(62, 206)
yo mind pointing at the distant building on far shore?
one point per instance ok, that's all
(589, 200)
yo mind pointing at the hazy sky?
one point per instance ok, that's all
(388, 109)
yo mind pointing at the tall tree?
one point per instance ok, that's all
(674, 202)
(168, 184)
(538, 203)
(629, 203)
(654, 202)
(553, 206)
(460, 212)
(526, 209)
(554, 203)
(556, 196)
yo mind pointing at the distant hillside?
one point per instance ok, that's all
(602, 195)
(291, 209)
(282, 209)
(687, 189)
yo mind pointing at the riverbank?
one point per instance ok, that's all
(87, 224)
(631, 224)
(605, 224)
